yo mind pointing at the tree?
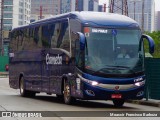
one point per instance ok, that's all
(156, 37)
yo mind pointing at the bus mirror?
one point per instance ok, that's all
(81, 40)
(150, 41)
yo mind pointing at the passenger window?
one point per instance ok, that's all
(78, 54)
(64, 40)
(55, 35)
(45, 36)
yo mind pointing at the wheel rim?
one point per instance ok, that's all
(21, 87)
(66, 91)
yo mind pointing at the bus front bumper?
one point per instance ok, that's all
(95, 92)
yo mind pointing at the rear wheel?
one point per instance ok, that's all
(118, 102)
(67, 93)
(23, 91)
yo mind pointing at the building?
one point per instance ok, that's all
(15, 13)
(157, 19)
(135, 11)
(79, 5)
(100, 8)
(44, 8)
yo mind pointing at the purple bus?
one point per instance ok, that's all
(79, 55)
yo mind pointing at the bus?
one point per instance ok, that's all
(74, 55)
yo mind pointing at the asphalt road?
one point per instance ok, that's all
(10, 100)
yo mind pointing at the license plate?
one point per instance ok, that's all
(119, 96)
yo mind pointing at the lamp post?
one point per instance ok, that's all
(1, 32)
(142, 15)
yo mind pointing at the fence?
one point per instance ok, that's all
(3, 62)
(152, 66)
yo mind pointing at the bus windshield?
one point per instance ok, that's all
(113, 51)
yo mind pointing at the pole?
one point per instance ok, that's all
(40, 12)
(134, 10)
(1, 39)
(104, 7)
(122, 7)
(142, 16)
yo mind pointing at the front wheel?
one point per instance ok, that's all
(67, 93)
(118, 102)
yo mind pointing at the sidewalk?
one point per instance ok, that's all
(150, 102)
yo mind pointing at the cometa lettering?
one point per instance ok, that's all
(55, 60)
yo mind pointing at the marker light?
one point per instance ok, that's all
(86, 30)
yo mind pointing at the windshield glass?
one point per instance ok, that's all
(113, 51)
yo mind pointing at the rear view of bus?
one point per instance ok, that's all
(113, 62)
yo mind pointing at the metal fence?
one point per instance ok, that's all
(3, 62)
(152, 66)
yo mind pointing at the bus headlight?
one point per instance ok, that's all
(139, 83)
(93, 83)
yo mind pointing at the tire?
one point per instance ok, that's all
(23, 91)
(67, 93)
(118, 102)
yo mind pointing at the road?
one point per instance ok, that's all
(10, 100)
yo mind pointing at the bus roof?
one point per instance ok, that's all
(93, 19)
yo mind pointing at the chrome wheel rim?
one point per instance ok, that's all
(21, 88)
(66, 91)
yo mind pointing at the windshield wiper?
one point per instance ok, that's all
(121, 67)
(101, 70)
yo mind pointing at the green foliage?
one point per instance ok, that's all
(156, 37)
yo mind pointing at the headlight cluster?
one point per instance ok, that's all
(139, 82)
(94, 83)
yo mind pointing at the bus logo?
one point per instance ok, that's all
(55, 60)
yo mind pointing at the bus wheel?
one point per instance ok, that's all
(23, 91)
(118, 102)
(67, 96)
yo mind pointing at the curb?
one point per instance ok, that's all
(144, 102)
(4, 74)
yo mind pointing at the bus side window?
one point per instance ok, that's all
(45, 36)
(64, 40)
(26, 39)
(31, 43)
(55, 35)
(51, 28)
(78, 54)
(75, 26)
(12, 42)
(20, 40)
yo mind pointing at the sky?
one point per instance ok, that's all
(157, 4)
